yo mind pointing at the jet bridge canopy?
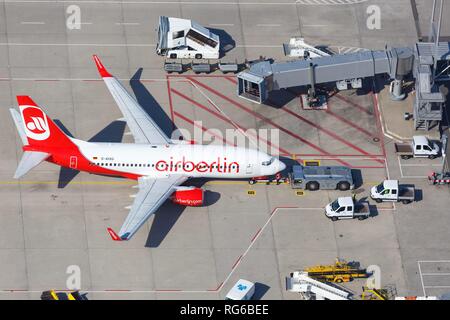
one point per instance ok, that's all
(254, 84)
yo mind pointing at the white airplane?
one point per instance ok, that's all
(159, 164)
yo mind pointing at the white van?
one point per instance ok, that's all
(242, 290)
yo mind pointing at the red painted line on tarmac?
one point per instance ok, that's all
(257, 233)
(347, 122)
(199, 76)
(242, 107)
(232, 80)
(170, 102)
(218, 115)
(354, 104)
(239, 259)
(46, 80)
(179, 115)
(92, 80)
(326, 131)
(338, 155)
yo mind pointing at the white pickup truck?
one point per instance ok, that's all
(347, 208)
(390, 190)
(420, 147)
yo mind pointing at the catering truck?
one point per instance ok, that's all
(419, 147)
(321, 177)
(347, 208)
(391, 190)
(186, 39)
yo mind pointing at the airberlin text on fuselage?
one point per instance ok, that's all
(202, 166)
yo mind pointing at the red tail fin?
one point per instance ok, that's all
(40, 130)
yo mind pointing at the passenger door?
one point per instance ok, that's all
(73, 162)
(418, 151)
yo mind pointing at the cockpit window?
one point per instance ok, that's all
(268, 162)
(380, 188)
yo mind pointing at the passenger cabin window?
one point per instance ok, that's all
(350, 209)
(394, 191)
(418, 147)
(341, 209)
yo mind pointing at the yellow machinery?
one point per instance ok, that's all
(53, 295)
(387, 293)
(341, 271)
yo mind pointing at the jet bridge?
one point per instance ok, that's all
(262, 77)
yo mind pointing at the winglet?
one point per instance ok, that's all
(113, 235)
(101, 69)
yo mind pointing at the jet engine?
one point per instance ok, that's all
(188, 196)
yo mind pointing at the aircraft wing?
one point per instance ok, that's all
(141, 125)
(152, 194)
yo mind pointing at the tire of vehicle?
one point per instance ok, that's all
(334, 219)
(339, 280)
(312, 186)
(378, 200)
(431, 156)
(405, 157)
(360, 218)
(198, 56)
(173, 56)
(405, 201)
(343, 186)
(251, 181)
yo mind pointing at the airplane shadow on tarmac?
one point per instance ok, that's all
(167, 215)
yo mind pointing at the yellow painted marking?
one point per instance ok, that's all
(300, 193)
(311, 162)
(251, 192)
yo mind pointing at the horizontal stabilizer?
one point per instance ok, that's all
(30, 159)
(19, 125)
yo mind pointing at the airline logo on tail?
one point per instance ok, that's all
(36, 124)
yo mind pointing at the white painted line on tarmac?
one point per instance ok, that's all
(290, 3)
(268, 25)
(315, 25)
(32, 22)
(127, 23)
(221, 24)
(421, 279)
(436, 274)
